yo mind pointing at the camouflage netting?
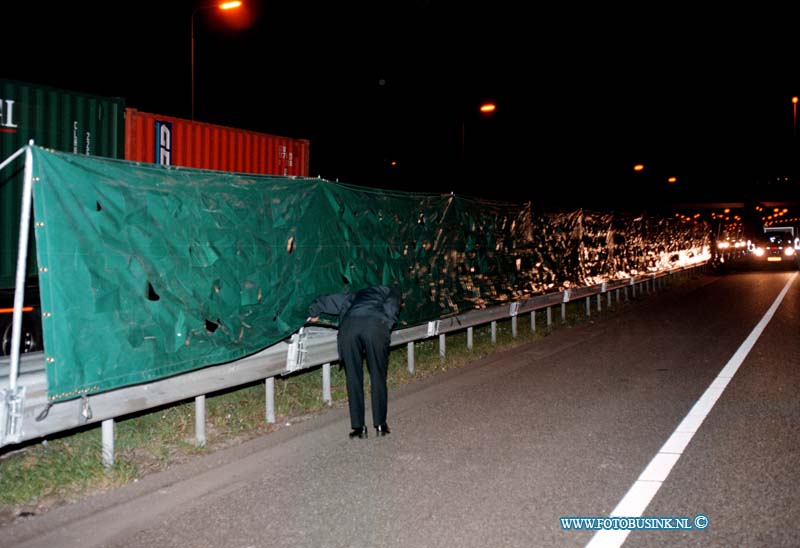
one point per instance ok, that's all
(148, 271)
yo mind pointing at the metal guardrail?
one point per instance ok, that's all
(309, 348)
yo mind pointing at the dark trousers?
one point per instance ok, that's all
(361, 336)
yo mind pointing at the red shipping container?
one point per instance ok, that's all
(167, 140)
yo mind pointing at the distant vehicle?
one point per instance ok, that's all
(788, 233)
(773, 249)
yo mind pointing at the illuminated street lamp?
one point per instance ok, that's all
(794, 107)
(225, 6)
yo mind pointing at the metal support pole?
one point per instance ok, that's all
(533, 321)
(494, 332)
(549, 316)
(599, 302)
(270, 388)
(563, 312)
(588, 307)
(410, 347)
(107, 429)
(442, 346)
(12, 157)
(608, 299)
(326, 383)
(22, 259)
(514, 326)
(469, 338)
(200, 420)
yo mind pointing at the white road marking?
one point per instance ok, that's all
(635, 501)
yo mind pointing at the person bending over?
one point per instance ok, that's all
(366, 318)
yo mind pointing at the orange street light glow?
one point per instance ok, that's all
(230, 5)
(488, 107)
(638, 167)
(672, 180)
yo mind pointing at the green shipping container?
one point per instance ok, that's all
(54, 118)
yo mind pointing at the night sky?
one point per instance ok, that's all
(582, 94)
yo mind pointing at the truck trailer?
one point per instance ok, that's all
(81, 123)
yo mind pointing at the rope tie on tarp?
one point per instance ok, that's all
(43, 415)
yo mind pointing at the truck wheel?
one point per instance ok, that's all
(29, 341)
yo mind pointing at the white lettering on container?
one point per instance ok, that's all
(7, 113)
(163, 143)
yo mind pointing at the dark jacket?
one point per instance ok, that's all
(380, 302)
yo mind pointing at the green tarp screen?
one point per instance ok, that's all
(147, 271)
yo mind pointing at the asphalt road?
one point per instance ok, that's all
(494, 454)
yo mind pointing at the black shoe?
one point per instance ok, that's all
(382, 430)
(359, 433)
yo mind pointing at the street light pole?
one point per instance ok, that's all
(220, 5)
(192, 50)
(486, 109)
(794, 106)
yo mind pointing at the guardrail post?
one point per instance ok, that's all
(469, 338)
(108, 442)
(410, 347)
(270, 388)
(533, 321)
(563, 312)
(442, 346)
(549, 316)
(494, 332)
(326, 383)
(588, 307)
(200, 420)
(599, 302)
(513, 310)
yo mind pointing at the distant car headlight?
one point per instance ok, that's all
(788, 251)
(723, 245)
(759, 251)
